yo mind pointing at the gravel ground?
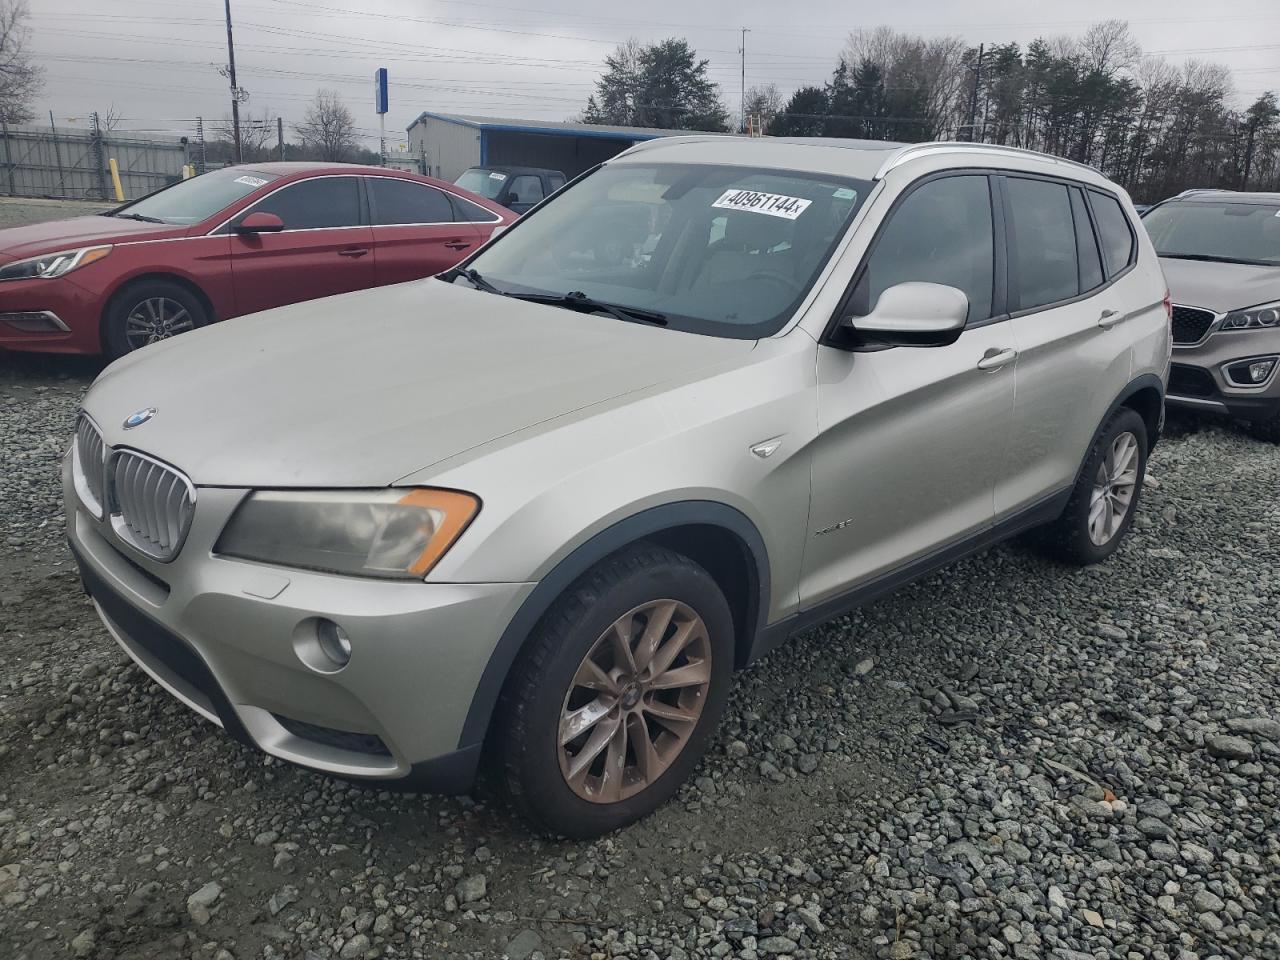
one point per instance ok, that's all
(1008, 759)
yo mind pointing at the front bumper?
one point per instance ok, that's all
(72, 316)
(1198, 379)
(223, 637)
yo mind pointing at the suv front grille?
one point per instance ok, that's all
(89, 465)
(152, 504)
(1190, 324)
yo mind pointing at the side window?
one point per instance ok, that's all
(941, 233)
(1042, 246)
(526, 189)
(556, 181)
(467, 212)
(404, 201)
(1114, 229)
(314, 204)
(1086, 244)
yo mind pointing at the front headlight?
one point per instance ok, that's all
(1255, 318)
(387, 533)
(49, 265)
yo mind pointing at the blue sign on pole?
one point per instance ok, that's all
(380, 90)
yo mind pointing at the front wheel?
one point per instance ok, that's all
(148, 312)
(1105, 496)
(610, 706)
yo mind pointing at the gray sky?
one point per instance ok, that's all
(156, 60)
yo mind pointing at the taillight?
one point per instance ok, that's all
(1168, 306)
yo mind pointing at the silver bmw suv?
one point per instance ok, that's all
(536, 511)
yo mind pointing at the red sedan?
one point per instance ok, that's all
(230, 242)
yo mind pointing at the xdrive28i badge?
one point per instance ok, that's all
(139, 417)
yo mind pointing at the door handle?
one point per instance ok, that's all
(353, 252)
(1109, 319)
(457, 244)
(994, 359)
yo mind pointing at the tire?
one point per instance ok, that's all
(1268, 430)
(167, 307)
(570, 789)
(1070, 537)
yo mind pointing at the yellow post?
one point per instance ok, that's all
(188, 171)
(115, 178)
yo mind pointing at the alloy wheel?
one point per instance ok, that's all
(634, 701)
(1113, 489)
(156, 318)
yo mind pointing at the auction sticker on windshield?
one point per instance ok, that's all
(773, 204)
(251, 181)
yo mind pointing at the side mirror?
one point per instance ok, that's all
(260, 222)
(913, 314)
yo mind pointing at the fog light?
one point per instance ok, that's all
(1259, 370)
(1251, 373)
(334, 642)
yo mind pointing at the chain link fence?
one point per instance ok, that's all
(72, 164)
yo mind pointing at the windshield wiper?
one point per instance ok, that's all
(136, 216)
(477, 281)
(1210, 258)
(577, 300)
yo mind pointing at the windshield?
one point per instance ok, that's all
(1223, 230)
(724, 250)
(199, 198)
(487, 183)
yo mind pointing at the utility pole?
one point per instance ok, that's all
(280, 134)
(99, 159)
(204, 156)
(57, 154)
(973, 102)
(235, 91)
(742, 112)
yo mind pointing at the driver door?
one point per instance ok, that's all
(325, 248)
(911, 439)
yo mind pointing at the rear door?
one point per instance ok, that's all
(325, 248)
(1068, 303)
(414, 230)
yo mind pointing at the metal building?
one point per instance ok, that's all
(447, 144)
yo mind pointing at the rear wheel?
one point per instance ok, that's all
(148, 312)
(1105, 496)
(610, 706)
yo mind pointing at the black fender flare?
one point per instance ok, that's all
(1145, 381)
(646, 523)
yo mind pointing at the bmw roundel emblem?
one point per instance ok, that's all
(139, 417)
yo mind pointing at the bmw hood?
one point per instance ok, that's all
(1220, 286)
(363, 389)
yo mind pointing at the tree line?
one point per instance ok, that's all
(1155, 127)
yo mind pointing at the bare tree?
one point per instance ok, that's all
(328, 130)
(257, 135)
(20, 78)
(109, 119)
(764, 103)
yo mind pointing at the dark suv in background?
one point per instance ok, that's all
(1220, 251)
(516, 188)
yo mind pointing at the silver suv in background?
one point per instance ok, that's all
(536, 511)
(1221, 255)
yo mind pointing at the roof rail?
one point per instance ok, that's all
(912, 151)
(1195, 190)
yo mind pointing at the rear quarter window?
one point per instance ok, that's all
(1114, 230)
